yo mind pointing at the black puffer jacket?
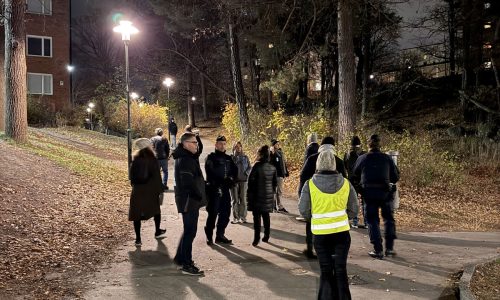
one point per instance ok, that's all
(161, 147)
(262, 184)
(190, 185)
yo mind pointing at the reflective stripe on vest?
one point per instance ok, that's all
(329, 210)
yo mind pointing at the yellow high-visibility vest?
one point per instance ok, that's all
(329, 210)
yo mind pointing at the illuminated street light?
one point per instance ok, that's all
(127, 29)
(91, 105)
(193, 98)
(168, 82)
(70, 68)
(372, 76)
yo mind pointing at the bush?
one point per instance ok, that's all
(39, 113)
(144, 118)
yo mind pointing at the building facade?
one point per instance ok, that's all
(48, 52)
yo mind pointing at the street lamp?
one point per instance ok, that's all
(70, 70)
(168, 82)
(89, 111)
(127, 29)
(134, 96)
(193, 98)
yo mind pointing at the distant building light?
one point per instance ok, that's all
(487, 5)
(487, 25)
(487, 65)
(317, 86)
(409, 67)
(70, 68)
(372, 76)
(487, 46)
(271, 45)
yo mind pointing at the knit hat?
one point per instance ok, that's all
(220, 138)
(328, 140)
(355, 141)
(274, 142)
(312, 138)
(142, 143)
(326, 161)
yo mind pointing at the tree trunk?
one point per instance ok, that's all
(347, 76)
(2, 81)
(451, 35)
(238, 83)
(16, 119)
(190, 108)
(366, 53)
(204, 97)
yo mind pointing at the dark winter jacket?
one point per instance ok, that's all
(309, 167)
(243, 164)
(311, 149)
(349, 162)
(161, 147)
(146, 188)
(278, 161)
(221, 170)
(190, 184)
(262, 184)
(374, 171)
(172, 128)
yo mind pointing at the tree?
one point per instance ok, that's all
(347, 76)
(16, 116)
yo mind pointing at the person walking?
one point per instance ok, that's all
(377, 175)
(162, 150)
(312, 145)
(307, 172)
(262, 183)
(349, 162)
(278, 161)
(189, 198)
(239, 191)
(172, 131)
(221, 173)
(147, 189)
(329, 200)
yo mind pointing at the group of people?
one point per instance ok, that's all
(328, 196)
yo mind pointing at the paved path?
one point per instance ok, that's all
(278, 270)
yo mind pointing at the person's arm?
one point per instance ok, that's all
(249, 166)
(138, 172)
(305, 173)
(356, 172)
(393, 172)
(352, 202)
(187, 172)
(167, 148)
(200, 145)
(305, 201)
(209, 168)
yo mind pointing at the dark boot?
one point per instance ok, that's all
(209, 234)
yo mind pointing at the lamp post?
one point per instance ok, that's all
(126, 29)
(168, 82)
(70, 70)
(89, 111)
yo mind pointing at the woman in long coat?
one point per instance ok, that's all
(262, 183)
(147, 189)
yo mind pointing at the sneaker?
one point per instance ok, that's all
(210, 241)
(244, 221)
(265, 239)
(191, 270)
(301, 219)
(363, 226)
(378, 255)
(223, 240)
(390, 253)
(309, 254)
(354, 226)
(255, 242)
(283, 210)
(160, 234)
(138, 243)
(234, 222)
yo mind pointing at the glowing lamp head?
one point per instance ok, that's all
(126, 29)
(168, 82)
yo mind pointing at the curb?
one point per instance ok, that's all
(464, 285)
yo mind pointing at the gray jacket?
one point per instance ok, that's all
(327, 182)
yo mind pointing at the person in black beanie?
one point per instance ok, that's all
(349, 161)
(277, 159)
(221, 174)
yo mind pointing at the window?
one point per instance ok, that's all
(40, 84)
(43, 7)
(39, 46)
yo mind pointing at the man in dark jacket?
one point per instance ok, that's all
(307, 173)
(278, 161)
(349, 161)
(377, 174)
(221, 174)
(172, 131)
(312, 145)
(162, 150)
(189, 197)
(188, 128)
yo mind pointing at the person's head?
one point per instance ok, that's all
(188, 128)
(220, 143)
(238, 147)
(189, 142)
(326, 161)
(355, 142)
(143, 147)
(159, 131)
(172, 119)
(276, 144)
(374, 142)
(328, 140)
(312, 138)
(263, 154)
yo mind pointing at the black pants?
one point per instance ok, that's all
(219, 206)
(137, 226)
(257, 215)
(371, 211)
(184, 253)
(332, 251)
(309, 236)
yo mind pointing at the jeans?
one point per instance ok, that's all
(164, 169)
(184, 253)
(257, 215)
(279, 192)
(239, 200)
(371, 211)
(332, 251)
(219, 206)
(173, 141)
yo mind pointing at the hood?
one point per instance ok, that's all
(326, 147)
(181, 152)
(328, 183)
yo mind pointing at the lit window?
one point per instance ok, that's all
(39, 84)
(43, 7)
(487, 25)
(487, 46)
(487, 65)
(487, 5)
(39, 46)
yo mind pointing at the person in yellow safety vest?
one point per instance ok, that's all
(329, 201)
